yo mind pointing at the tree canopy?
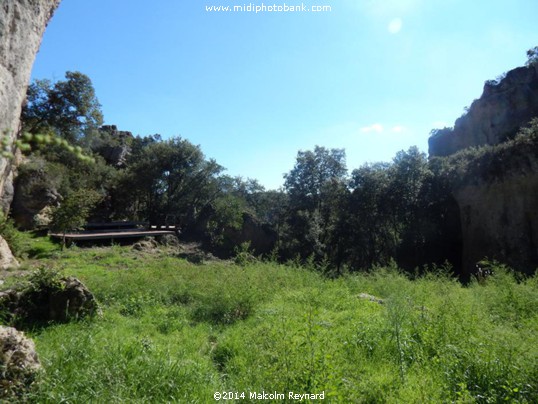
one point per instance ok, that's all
(69, 108)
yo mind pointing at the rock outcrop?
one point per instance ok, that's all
(495, 117)
(22, 23)
(7, 259)
(497, 195)
(116, 150)
(35, 195)
(19, 363)
(68, 299)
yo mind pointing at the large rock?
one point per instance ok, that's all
(73, 301)
(22, 23)
(7, 260)
(496, 116)
(63, 300)
(19, 363)
(35, 195)
(116, 150)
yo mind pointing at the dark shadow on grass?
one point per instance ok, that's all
(43, 248)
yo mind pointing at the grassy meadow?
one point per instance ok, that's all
(174, 331)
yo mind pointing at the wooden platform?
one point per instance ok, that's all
(97, 235)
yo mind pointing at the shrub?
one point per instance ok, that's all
(10, 234)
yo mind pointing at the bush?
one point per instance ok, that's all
(11, 234)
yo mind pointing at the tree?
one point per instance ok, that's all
(74, 211)
(407, 192)
(370, 236)
(169, 177)
(68, 108)
(307, 181)
(316, 187)
(387, 210)
(532, 56)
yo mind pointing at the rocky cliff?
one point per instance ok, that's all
(116, 150)
(503, 108)
(497, 188)
(22, 23)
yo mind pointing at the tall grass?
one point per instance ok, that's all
(173, 331)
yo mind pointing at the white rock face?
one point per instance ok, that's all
(22, 23)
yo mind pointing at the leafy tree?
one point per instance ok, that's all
(169, 177)
(73, 212)
(371, 237)
(314, 186)
(388, 210)
(227, 214)
(312, 172)
(409, 173)
(68, 108)
(532, 56)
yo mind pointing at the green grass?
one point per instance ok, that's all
(172, 331)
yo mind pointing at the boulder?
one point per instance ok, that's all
(169, 240)
(19, 363)
(67, 299)
(7, 260)
(35, 195)
(371, 298)
(115, 155)
(73, 301)
(148, 244)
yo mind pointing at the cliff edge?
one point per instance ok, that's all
(504, 107)
(496, 188)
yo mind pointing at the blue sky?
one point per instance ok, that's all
(373, 77)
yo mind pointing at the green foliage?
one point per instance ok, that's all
(244, 255)
(387, 208)
(6, 148)
(69, 108)
(227, 214)
(73, 212)
(491, 163)
(29, 142)
(167, 178)
(45, 279)
(316, 188)
(33, 296)
(312, 174)
(9, 233)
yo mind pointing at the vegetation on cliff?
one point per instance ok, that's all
(490, 163)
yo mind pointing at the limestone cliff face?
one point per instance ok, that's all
(497, 195)
(495, 117)
(500, 221)
(22, 23)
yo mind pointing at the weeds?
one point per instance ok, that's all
(174, 331)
